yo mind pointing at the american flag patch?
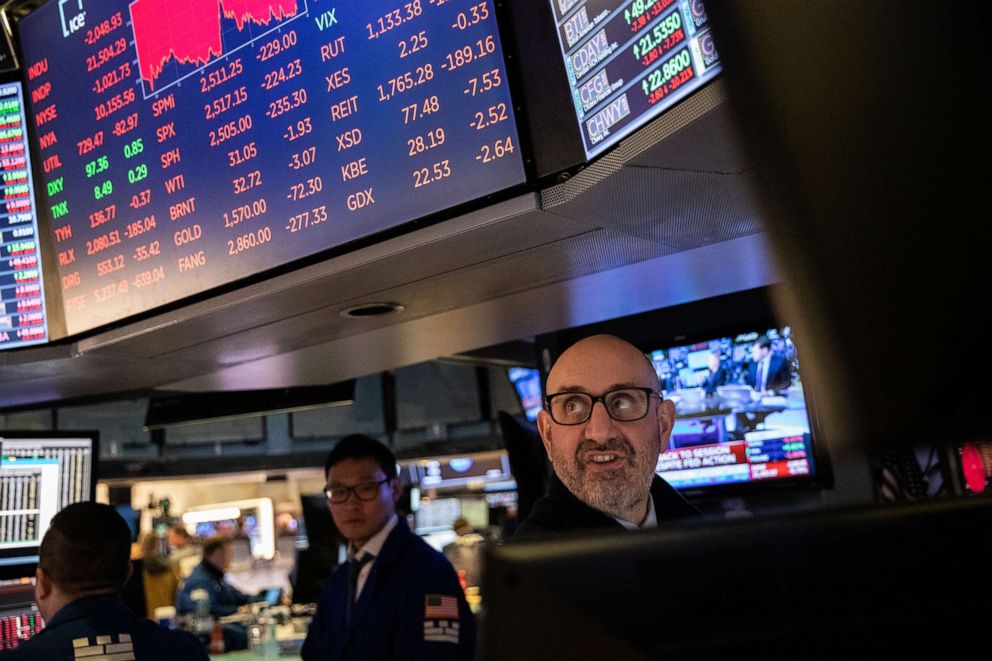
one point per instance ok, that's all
(440, 607)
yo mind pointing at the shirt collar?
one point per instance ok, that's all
(650, 521)
(376, 541)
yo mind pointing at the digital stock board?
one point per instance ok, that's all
(185, 145)
(628, 62)
(22, 294)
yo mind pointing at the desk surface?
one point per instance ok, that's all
(245, 655)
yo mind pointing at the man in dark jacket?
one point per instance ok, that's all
(224, 598)
(604, 457)
(396, 597)
(83, 562)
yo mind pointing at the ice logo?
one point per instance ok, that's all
(460, 464)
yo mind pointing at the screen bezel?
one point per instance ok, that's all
(9, 567)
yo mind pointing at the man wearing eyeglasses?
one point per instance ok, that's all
(396, 597)
(603, 425)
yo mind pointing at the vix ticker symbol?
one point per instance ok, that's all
(71, 23)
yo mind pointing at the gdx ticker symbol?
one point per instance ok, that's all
(73, 23)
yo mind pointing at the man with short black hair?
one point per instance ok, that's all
(603, 427)
(769, 371)
(396, 597)
(84, 561)
(225, 599)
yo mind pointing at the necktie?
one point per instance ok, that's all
(760, 385)
(354, 571)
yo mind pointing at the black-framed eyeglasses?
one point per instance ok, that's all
(623, 404)
(365, 491)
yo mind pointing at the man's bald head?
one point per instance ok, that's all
(602, 354)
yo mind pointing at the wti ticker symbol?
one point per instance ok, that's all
(72, 23)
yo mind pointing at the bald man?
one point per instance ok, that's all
(603, 425)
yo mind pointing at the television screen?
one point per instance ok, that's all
(741, 410)
(251, 519)
(628, 62)
(488, 471)
(191, 144)
(527, 383)
(22, 290)
(40, 473)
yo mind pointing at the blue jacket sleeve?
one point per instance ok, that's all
(437, 622)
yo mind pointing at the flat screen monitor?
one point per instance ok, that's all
(628, 61)
(193, 144)
(527, 383)
(742, 414)
(488, 471)
(251, 518)
(23, 319)
(40, 473)
(19, 616)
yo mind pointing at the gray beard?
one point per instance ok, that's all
(615, 493)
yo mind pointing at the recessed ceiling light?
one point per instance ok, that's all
(371, 310)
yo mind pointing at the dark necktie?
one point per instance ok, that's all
(354, 571)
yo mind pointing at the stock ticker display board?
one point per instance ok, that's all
(186, 145)
(628, 62)
(22, 295)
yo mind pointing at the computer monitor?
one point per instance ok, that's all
(743, 420)
(527, 383)
(19, 616)
(40, 473)
(252, 518)
(837, 584)
(489, 471)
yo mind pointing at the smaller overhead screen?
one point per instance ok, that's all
(487, 471)
(628, 62)
(742, 415)
(22, 295)
(527, 383)
(39, 475)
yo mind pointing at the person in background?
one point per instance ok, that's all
(83, 563)
(463, 553)
(603, 427)
(396, 598)
(717, 374)
(159, 575)
(769, 371)
(183, 550)
(225, 599)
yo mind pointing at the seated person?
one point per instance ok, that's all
(83, 563)
(224, 597)
(160, 575)
(717, 374)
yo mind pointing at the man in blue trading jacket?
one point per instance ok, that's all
(224, 598)
(604, 457)
(396, 597)
(83, 563)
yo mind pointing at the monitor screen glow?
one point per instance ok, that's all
(728, 430)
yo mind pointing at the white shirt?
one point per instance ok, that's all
(650, 521)
(373, 546)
